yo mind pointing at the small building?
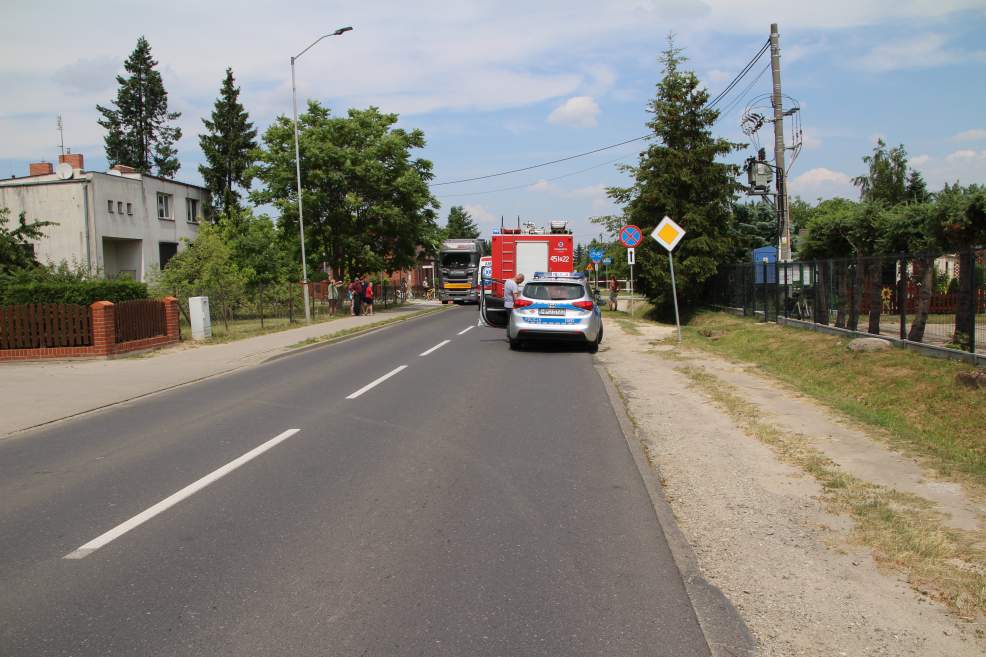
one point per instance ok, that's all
(117, 223)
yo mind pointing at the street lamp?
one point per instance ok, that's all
(297, 166)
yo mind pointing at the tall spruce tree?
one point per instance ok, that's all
(679, 176)
(139, 133)
(460, 224)
(227, 148)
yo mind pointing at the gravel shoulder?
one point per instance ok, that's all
(759, 525)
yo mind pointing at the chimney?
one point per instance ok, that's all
(40, 169)
(123, 168)
(75, 159)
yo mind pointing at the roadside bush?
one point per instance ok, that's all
(17, 290)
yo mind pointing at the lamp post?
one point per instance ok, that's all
(297, 167)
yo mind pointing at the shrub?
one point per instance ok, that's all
(20, 290)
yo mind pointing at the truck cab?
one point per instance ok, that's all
(458, 270)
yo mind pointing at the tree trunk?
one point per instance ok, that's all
(965, 307)
(924, 272)
(261, 291)
(875, 278)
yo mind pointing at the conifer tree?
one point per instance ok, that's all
(460, 224)
(679, 176)
(139, 133)
(227, 148)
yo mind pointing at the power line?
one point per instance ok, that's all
(740, 76)
(543, 164)
(515, 187)
(742, 73)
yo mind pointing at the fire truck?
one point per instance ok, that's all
(523, 250)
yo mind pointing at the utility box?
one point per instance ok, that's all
(198, 315)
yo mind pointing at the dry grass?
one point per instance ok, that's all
(903, 531)
(914, 398)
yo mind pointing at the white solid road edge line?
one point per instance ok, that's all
(169, 502)
(437, 346)
(468, 328)
(373, 384)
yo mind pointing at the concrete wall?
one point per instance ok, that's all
(66, 202)
(62, 202)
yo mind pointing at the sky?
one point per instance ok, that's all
(499, 85)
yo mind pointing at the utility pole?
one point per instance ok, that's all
(783, 216)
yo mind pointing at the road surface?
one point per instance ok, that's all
(474, 501)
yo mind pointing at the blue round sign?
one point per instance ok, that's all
(595, 255)
(631, 236)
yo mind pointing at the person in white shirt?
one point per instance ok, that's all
(511, 290)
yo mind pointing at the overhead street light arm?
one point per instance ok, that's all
(339, 32)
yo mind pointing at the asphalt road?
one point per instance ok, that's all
(478, 502)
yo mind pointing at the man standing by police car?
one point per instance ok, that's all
(511, 290)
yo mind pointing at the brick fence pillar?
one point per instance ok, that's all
(171, 317)
(103, 328)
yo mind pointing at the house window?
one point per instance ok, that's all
(192, 207)
(109, 206)
(130, 208)
(119, 207)
(164, 207)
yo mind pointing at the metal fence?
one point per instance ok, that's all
(937, 299)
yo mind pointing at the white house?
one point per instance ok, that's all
(118, 223)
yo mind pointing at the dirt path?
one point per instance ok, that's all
(758, 524)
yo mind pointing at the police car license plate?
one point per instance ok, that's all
(551, 311)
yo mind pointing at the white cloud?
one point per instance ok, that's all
(718, 75)
(822, 183)
(578, 112)
(965, 166)
(542, 186)
(976, 134)
(964, 154)
(481, 215)
(924, 51)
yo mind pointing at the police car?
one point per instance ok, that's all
(556, 307)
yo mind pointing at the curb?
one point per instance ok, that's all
(356, 334)
(725, 632)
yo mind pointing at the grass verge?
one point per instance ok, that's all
(902, 530)
(249, 328)
(914, 398)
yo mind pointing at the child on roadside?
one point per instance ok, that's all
(368, 295)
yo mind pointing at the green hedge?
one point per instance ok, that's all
(79, 292)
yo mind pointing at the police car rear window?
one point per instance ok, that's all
(554, 291)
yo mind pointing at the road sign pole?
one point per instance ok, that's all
(631, 290)
(674, 294)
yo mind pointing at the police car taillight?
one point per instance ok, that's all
(523, 303)
(584, 305)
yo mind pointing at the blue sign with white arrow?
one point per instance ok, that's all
(595, 255)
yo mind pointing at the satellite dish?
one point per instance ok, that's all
(65, 171)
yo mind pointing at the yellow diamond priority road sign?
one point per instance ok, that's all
(668, 233)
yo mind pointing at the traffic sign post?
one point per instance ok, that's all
(668, 234)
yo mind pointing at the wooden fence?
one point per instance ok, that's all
(139, 319)
(40, 325)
